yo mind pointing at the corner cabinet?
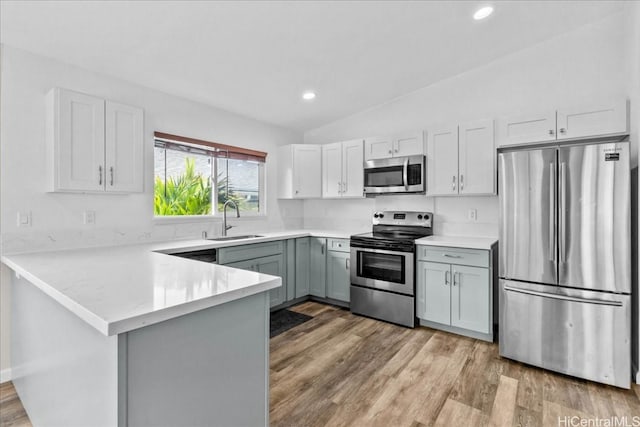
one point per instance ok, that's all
(461, 160)
(299, 171)
(94, 145)
(407, 144)
(455, 290)
(604, 118)
(267, 258)
(342, 169)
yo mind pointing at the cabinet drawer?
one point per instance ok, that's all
(243, 252)
(473, 257)
(339, 245)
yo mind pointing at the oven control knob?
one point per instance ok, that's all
(419, 216)
(375, 215)
(381, 215)
(426, 216)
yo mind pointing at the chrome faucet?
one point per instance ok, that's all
(225, 227)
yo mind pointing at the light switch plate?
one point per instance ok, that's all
(24, 219)
(473, 215)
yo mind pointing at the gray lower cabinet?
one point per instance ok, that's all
(267, 258)
(338, 270)
(302, 264)
(318, 267)
(454, 295)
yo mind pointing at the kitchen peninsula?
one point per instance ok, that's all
(128, 335)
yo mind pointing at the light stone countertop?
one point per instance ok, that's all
(121, 288)
(459, 242)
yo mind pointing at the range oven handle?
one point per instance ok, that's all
(382, 251)
(405, 173)
(563, 297)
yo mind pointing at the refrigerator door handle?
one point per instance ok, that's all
(552, 211)
(563, 297)
(562, 244)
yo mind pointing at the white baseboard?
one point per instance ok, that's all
(5, 375)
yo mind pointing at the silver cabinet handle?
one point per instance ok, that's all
(453, 183)
(552, 210)
(297, 191)
(395, 151)
(551, 132)
(451, 256)
(390, 151)
(461, 182)
(456, 278)
(344, 187)
(562, 244)
(100, 175)
(346, 263)
(322, 249)
(339, 188)
(111, 172)
(446, 277)
(563, 131)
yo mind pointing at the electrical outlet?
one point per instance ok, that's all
(89, 217)
(24, 219)
(472, 215)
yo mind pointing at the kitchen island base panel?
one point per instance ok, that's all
(209, 367)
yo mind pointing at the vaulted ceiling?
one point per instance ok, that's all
(256, 58)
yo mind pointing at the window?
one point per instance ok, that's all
(193, 176)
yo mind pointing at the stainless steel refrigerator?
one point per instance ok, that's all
(565, 259)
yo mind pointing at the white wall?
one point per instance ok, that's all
(57, 218)
(580, 66)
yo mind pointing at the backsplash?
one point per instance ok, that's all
(450, 213)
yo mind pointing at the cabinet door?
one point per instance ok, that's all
(352, 169)
(124, 142)
(527, 128)
(477, 158)
(273, 265)
(318, 267)
(307, 175)
(593, 120)
(78, 141)
(434, 289)
(338, 278)
(471, 298)
(302, 266)
(408, 144)
(378, 148)
(442, 162)
(332, 170)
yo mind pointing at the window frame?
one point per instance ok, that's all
(215, 149)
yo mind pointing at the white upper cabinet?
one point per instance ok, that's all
(477, 158)
(123, 149)
(408, 144)
(565, 123)
(442, 161)
(593, 120)
(461, 160)
(299, 171)
(94, 145)
(342, 169)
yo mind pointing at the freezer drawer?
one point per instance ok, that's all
(580, 333)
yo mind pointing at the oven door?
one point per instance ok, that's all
(381, 269)
(395, 175)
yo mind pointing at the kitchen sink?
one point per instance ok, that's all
(222, 239)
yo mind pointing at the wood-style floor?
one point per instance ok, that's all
(338, 369)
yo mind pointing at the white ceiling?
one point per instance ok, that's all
(256, 58)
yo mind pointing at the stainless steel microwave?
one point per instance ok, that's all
(395, 175)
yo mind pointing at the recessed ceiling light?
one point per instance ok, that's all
(482, 13)
(308, 96)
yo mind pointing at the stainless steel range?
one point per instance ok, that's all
(382, 266)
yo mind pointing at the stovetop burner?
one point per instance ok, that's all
(395, 230)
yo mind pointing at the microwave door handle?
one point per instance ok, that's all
(405, 171)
